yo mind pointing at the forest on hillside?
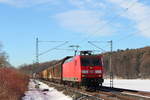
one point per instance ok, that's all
(127, 64)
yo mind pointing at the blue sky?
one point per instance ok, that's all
(126, 22)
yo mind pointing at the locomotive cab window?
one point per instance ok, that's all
(91, 61)
(85, 62)
(96, 62)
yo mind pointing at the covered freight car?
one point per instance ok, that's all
(55, 71)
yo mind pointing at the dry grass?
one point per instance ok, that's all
(13, 84)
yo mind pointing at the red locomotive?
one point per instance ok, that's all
(85, 69)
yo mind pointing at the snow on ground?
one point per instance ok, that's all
(36, 92)
(142, 85)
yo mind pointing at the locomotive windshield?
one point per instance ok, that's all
(91, 61)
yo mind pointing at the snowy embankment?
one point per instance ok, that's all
(141, 85)
(40, 91)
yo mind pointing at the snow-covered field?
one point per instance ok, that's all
(35, 93)
(142, 85)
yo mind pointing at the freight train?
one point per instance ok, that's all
(85, 70)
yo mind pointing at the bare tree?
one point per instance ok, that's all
(3, 58)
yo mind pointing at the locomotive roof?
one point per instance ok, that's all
(90, 55)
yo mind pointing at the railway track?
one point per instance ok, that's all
(103, 93)
(136, 95)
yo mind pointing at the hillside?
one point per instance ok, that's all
(129, 64)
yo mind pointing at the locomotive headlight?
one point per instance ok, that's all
(84, 71)
(98, 71)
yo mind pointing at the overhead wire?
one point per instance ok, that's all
(53, 48)
(121, 39)
(115, 17)
(96, 46)
(118, 40)
(131, 34)
(64, 49)
(53, 41)
(112, 19)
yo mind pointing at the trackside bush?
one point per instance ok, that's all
(13, 84)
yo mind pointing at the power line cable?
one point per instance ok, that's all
(96, 46)
(64, 49)
(116, 16)
(53, 48)
(118, 41)
(112, 19)
(53, 41)
(132, 34)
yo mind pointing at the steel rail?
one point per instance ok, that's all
(105, 93)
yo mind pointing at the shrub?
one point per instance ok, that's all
(13, 84)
